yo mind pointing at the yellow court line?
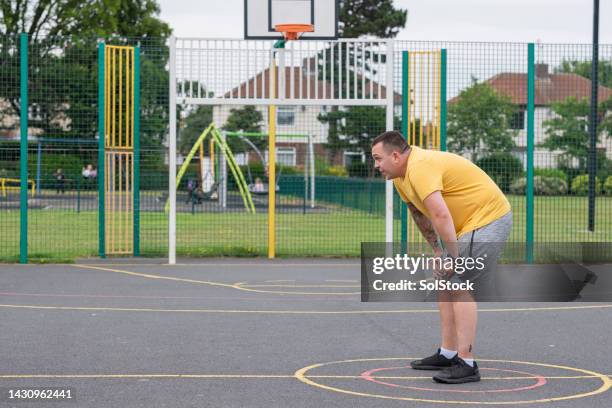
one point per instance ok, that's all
(248, 285)
(281, 280)
(162, 277)
(341, 280)
(254, 264)
(271, 376)
(280, 312)
(383, 377)
(229, 311)
(249, 288)
(238, 286)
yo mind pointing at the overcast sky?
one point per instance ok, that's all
(549, 21)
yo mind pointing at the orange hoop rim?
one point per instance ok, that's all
(293, 31)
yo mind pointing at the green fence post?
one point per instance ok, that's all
(101, 135)
(137, 151)
(443, 100)
(405, 124)
(529, 219)
(23, 154)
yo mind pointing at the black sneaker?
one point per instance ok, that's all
(458, 374)
(434, 362)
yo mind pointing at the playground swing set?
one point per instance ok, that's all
(212, 169)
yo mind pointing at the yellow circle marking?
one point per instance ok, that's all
(301, 375)
(257, 376)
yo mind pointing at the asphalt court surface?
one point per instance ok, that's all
(286, 333)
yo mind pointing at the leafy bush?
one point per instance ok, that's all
(607, 187)
(580, 185)
(541, 186)
(604, 167)
(503, 168)
(558, 173)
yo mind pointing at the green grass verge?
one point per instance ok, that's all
(62, 235)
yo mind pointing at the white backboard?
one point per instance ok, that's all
(260, 17)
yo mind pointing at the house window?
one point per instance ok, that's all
(353, 157)
(517, 122)
(285, 156)
(286, 115)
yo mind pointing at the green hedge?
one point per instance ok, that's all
(503, 168)
(541, 186)
(607, 187)
(558, 173)
(580, 185)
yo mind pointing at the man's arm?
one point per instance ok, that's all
(442, 221)
(426, 228)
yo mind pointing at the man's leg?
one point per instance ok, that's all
(446, 356)
(448, 330)
(465, 312)
(489, 243)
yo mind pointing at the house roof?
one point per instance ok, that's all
(258, 86)
(549, 88)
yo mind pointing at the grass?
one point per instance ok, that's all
(63, 235)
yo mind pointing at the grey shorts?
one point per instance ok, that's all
(486, 245)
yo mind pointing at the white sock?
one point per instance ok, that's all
(448, 353)
(469, 361)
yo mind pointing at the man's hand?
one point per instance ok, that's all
(442, 273)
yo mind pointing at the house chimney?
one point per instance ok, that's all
(541, 70)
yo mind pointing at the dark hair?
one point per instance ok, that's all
(392, 141)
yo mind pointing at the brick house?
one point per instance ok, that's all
(549, 88)
(301, 119)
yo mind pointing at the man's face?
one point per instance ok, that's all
(388, 164)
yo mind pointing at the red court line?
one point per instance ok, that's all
(368, 375)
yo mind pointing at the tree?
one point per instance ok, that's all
(63, 37)
(370, 17)
(566, 133)
(246, 119)
(358, 18)
(584, 69)
(480, 121)
(195, 123)
(568, 130)
(357, 127)
(42, 19)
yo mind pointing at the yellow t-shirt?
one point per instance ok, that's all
(473, 199)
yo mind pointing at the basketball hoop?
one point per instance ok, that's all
(293, 31)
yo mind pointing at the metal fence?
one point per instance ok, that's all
(329, 199)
